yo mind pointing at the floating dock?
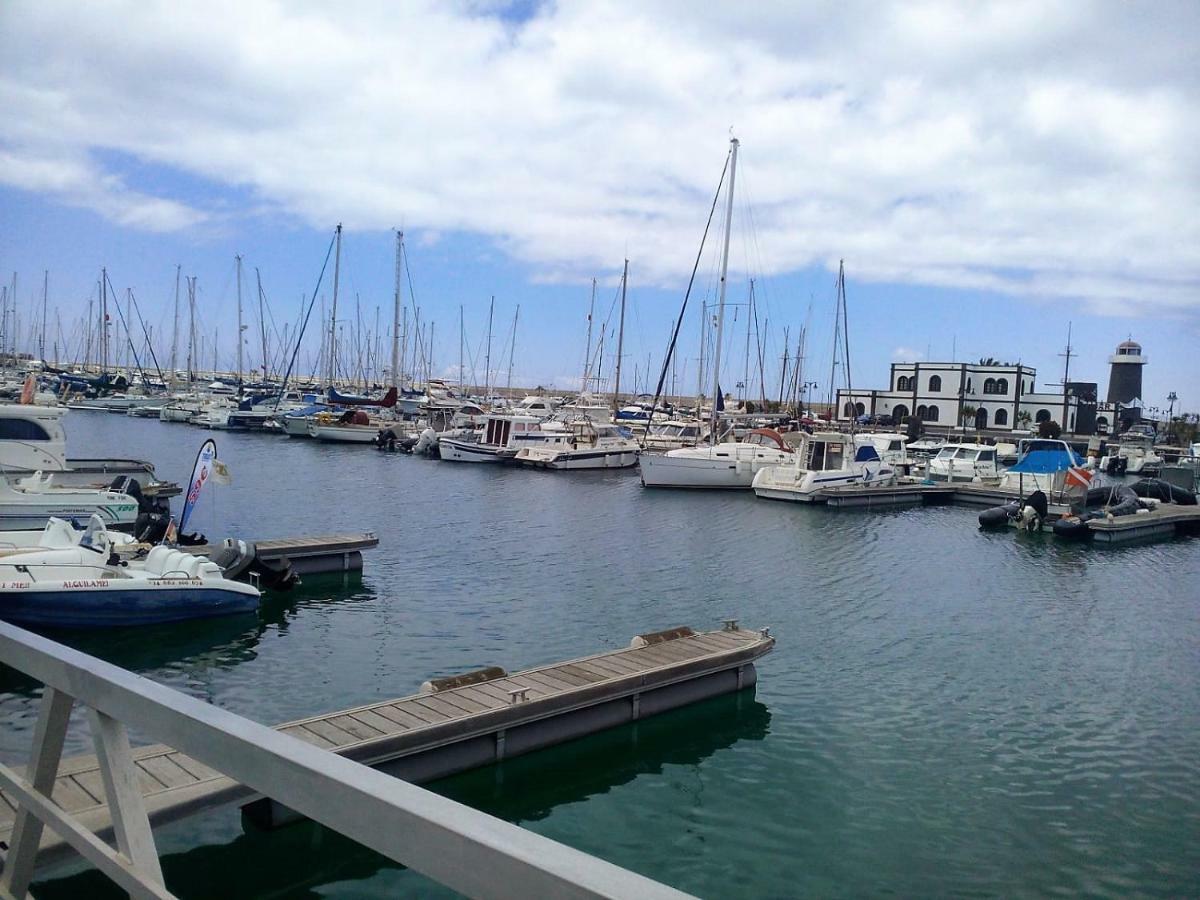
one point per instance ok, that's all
(1167, 519)
(309, 555)
(451, 725)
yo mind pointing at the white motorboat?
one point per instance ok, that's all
(33, 439)
(964, 462)
(824, 460)
(73, 582)
(1132, 458)
(30, 502)
(584, 444)
(729, 465)
(500, 438)
(674, 434)
(182, 409)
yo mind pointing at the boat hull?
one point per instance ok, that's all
(770, 484)
(119, 516)
(331, 434)
(589, 459)
(108, 605)
(465, 451)
(709, 472)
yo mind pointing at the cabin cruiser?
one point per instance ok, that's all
(822, 461)
(674, 434)
(72, 581)
(964, 462)
(500, 438)
(582, 444)
(585, 406)
(728, 465)
(33, 439)
(350, 427)
(1043, 465)
(1132, 457)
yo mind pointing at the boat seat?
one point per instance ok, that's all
(191, 565)
(156, 557)
(209, 569)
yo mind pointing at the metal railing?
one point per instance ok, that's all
(462, 848)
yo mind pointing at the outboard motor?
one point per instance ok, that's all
(1033, 512)
(427, 442)
(127, 484)
(150, 527)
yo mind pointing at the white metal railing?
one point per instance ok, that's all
(467, 850)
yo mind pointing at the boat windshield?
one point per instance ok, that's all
(824, 457)
(947, 452)
(965, 453)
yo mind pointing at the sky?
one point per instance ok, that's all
(992, 174)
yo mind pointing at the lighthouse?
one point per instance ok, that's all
(1125, 375)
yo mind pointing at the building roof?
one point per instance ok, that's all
(1129, 345)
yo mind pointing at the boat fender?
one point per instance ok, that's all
(997, 516)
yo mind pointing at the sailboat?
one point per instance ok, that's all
(728, 464)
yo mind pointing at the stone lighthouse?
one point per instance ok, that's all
(1125, 377)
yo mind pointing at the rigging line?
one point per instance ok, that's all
(304, 325)
(146, 335)
(679, 320)
(128, 339)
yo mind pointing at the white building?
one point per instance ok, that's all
(938, 392)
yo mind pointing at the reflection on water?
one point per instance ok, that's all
(301, 859)
(951, 711)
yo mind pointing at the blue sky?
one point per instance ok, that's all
(989, 175)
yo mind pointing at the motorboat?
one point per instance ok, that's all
(294, 422)
(964, 462)
(728, 465)
(674, 434)
(823, 460)
(31, 501)
(583, 444)
(78, 582)
(500, 439)
(33, 439)
(351, 427)
(926, 447)
(1132, 457)
(1044, 465)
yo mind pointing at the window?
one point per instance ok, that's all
(22, 430)
(860, 409)
(1001, 385)
(848, 410)
(970, 389)
(989, 386)
(933, 414)
(903, 384)
(923, 412)
(1001, 417)
(1043, 415)
(935, 382)
(900, 412)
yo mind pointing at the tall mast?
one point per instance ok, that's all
(587, 356)
(337, 264)
(241, 327)
(733, 151)
(512, 350)
(487, 366)
(703, 341)
(396, 314)
(262, 322)
(191, 329)
(103, 320)
(45, 293)
(461, 339)
(620, 340)
(175, 328)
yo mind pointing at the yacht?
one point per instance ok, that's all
(964, 462)
(823, 460)
(1132, 457)
(500, 439)
(30, 502)
(728, 465)
(674, 434)
(583, 444)
(351, 427)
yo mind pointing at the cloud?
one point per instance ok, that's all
(907, 354)
(1048, 150)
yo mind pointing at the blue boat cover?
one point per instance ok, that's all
(1045, 462)
(866, 454)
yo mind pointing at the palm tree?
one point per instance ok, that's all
(968, 414)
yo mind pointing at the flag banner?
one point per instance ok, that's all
(720, 399)
(1078, 476)
(220, 473)
(201, 472)
(29, 390)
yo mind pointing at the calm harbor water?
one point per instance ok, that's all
(948, 712)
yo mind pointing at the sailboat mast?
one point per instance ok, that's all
(262, 323)
(462, 335)
(620, 340)
(396, 314)
(337, 265)
(512, 350)
(845, 330)
(241, 327)
(191, 328)
(487, 366)
(45, 293)
(103, 320)
(587, 355)
(175, 327)
(733, 151)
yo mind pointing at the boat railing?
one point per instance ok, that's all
(464, 849)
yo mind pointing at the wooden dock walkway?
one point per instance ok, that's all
(450, 726)
(310, 555)
(1165, 520)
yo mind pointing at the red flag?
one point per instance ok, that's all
(29, 389)
(1078, 476)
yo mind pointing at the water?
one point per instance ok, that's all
(947, 712)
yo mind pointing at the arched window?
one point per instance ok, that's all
(860, 409)
(902, 383)
(935, 382)
(933, 414)
(1001, 417)
(970, 389)
(1001, 385)
(899, 413)
(848, 411)
(989, 386)
(1043, 415)
(922, 412)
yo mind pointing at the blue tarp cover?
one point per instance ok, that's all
(1044, 462)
